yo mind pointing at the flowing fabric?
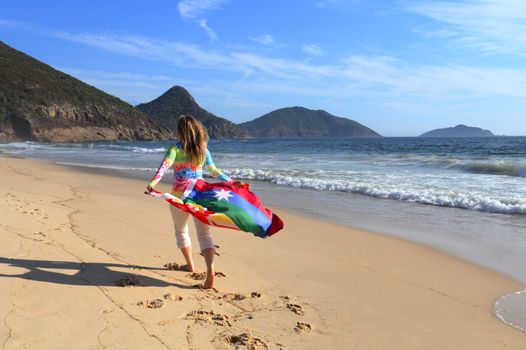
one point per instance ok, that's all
(223, 204)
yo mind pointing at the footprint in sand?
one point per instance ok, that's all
(40, 237)
(173, 297)
(151, 304)
(128, 281)
(246, 340)
(38, 213)
(201, 287)
(176, 267)
(202, 275)
(239, 296)
(302, 327)
(166, 322)
(234, 297)
(197, 275)
(39, 233)
(210, 317)
(297, 309)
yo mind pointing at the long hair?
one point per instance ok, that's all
(193, 137)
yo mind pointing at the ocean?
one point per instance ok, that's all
(465, 196)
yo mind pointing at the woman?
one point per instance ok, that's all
(188, 157)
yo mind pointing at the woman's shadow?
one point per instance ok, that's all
(84, 274)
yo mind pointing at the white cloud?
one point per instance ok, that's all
(367, 77)
(195, 8)
(312, 49)
(284, 68)
(490, 26)
(129, 78)
(376, 74)
(4, 23)
(132, 87)
(195, 56)
(209, 32)
(265, 39)
(435, 82)
(178, 53)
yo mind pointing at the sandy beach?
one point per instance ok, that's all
(82, 267)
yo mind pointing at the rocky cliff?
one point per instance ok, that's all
(40, 103)
(167, 108)
(303, 122)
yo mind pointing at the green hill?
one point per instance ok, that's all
(40, 103)
(303, 122)
(167, 108)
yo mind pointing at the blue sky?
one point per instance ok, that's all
(401, 67)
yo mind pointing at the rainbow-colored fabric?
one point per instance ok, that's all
(224, 204)
(221, 204)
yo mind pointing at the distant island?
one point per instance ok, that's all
(40, 103)
(303, 122)
(458, 131)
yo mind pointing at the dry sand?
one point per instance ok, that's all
(81, 267)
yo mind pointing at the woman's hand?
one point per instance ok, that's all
(241, 184)
(149, 189)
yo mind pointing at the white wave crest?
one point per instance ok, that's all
(419, 194)
(148, 150)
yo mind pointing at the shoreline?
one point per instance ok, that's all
(357, 286)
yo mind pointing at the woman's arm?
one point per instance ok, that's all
(211, 168)
(168, 160)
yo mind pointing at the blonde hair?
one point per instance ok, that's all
(193, 137)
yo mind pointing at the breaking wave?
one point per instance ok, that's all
(495, 168)
(417, 194)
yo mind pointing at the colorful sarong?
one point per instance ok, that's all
(222, 204)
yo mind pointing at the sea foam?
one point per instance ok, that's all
(410, 191)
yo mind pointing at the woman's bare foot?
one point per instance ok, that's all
(208, 254)
(209, 282)
(188, 268)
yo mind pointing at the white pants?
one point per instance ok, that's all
(204, 234)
